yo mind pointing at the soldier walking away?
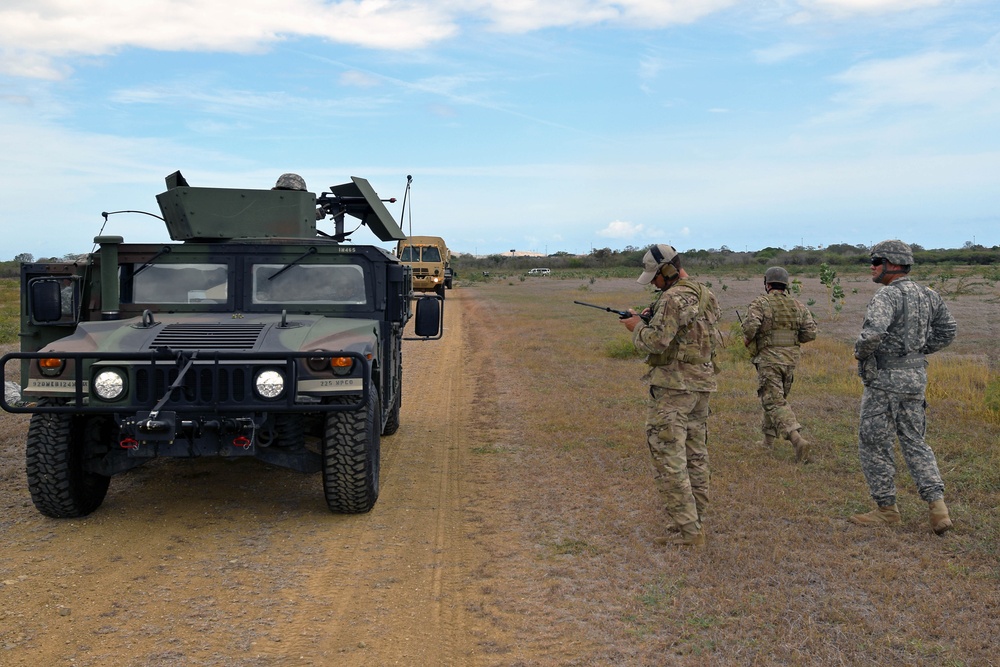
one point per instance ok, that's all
(680, 341)
(775, 326)
(904, 323)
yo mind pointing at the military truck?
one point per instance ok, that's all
(430, 260)
(251, 334)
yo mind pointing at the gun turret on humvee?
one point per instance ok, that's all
(252, 334)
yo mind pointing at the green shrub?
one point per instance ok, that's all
(621, 348)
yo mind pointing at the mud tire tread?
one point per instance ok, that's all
(351, 450)
(60, 487)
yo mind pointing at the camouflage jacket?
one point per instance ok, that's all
(776, 324)
(681, 338)
(904, 322)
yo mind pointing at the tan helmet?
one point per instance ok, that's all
(893, 250)
(660, 258)
(290, 182)
(776, 274)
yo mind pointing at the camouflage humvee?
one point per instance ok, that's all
(256, 335)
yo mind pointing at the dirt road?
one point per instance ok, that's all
(213, 562)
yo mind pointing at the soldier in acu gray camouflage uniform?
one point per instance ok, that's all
(680, 341)
(775, 326)
(904, 323)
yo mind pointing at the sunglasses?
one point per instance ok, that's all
(878, 261)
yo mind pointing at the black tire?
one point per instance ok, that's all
(351, 452)
(55, 452)
(290, 431)
(392, 420)
(439, 290)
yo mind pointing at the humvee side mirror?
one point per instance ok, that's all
(429, 317)
(45, 300)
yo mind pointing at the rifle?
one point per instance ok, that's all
(622, 314)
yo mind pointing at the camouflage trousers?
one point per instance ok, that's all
(774, 381)
(884, 417)
(677, 435)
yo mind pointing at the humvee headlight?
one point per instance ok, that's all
(342, 365)
(51, 366)
(339, 365)
(109, 385)
(269, 384)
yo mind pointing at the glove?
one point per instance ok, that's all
(867, 369)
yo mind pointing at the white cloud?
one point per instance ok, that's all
(36, 33)
(780, 53)
(932, 80)
(649, 70)
(620, 229)
(358, 79)
(520, 16)
(868, 6)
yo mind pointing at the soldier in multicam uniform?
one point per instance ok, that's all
(775, 326)
(905, 321)
(680, 341)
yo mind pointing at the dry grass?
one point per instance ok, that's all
(785, 579)
(10, 309)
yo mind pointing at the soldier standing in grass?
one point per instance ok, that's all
(775, 326)
(905, 321)
(679, 340)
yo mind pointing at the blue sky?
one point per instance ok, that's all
(545, 125)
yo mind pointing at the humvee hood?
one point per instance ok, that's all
(249, 333)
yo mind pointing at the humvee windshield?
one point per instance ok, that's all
(180, 283)
(210, 283)
(308, 283)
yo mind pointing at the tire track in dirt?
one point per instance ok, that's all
(393, 582)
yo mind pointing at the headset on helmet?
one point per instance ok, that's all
(667, 270)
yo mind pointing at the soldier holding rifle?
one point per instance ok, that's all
(680, 341)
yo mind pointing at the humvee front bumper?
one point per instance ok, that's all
(193, 381)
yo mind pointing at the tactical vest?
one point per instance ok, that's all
(689, 352)
(784, 331)
(910, 358)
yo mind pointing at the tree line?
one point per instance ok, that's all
(841, 255)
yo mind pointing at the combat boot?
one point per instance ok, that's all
(672, 530)
(692, 535)
(883, 516)
(767, 442)
(688, 538)
(802, 448)
(940, 521)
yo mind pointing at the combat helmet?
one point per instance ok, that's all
(776, 274)
(290, 182)
(895, 251)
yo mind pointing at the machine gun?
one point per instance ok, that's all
(622, 314)
(359, 200)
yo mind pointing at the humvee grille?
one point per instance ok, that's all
(237, 336)
(211, 384)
